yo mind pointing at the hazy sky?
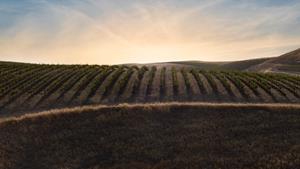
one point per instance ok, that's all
(126, 31)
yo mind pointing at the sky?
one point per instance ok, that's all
(143, 31)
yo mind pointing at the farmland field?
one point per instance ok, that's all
(147, 116)
(33, 87)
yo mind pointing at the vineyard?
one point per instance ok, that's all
(25, 87)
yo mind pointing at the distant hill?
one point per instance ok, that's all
(287, 63)
(200, 64)
(185, 64)
(244, 64)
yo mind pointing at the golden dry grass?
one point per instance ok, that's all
(161, 136)
(158, 105)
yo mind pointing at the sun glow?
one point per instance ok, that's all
(142, 33)
(158, 53)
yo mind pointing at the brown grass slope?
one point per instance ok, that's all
(160, 136)
(288, 63)
(244, 64)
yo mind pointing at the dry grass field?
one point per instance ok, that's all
(160, 136)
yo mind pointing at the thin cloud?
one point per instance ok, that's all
(106, 32)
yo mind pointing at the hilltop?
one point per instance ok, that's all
(288, 63)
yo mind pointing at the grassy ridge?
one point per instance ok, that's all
(154, 136)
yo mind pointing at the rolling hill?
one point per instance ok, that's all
(33, 87)
(163, 115)
(244, 64)
(288, 63)
(160, 136)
